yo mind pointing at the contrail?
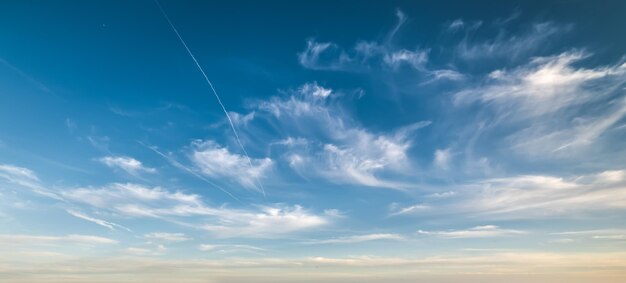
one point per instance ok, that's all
(232, 126)
(184, 168)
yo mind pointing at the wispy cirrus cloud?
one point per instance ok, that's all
(267, 222)
(442, 158)
(361, 238)
(103, 223)
(167, 237)
(335, 147)
(537, 196)
(137, 201)
(374, 56)
(25, 178)
(364, 56)
(545, 85)
(552, 108)
(486, 231)
(20, 239)
(506, 44)
(415, 209)
(130, 165)
(215, 161)
(231, 249)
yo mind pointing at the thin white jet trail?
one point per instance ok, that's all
(232, 126)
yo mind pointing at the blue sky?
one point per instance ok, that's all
(361, 141)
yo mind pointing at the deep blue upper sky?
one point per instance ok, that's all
(392, 129)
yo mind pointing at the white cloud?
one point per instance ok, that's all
(227, 249)
(24, 177)
(546, 84)
(442, 194)
(130, 165)
(443, 157)
(415, 59)
(334, 147)
(610, 237)
(597, 234)
(218, 162)
(533, 196)
(312, 56)
(269, 221)
(364, 56)
(19, 175)
(413, 209)
(401, 20)
(358, 162)
(445, 74)
(508, 45)
(361, 238)
(104, 223)
(167, 237)
(456, 25)
(314, 90)
(112, 195)
(486, 231)
(548, 108)
(134, 200)
(241, 119)
(38, 240)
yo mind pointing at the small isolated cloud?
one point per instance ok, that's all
(445, 75)
(409, 210)
(70, 124)
(128, 164)
(443, 157)
(486, 231)
(456, 25)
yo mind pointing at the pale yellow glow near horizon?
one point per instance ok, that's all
(522, 267)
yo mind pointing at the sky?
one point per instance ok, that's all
(292, 141)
